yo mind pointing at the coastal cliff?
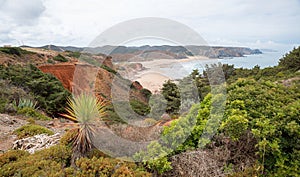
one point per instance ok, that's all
(146, 52)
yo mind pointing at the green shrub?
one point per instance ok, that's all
(186, 132)
(47, 90)
(11, 50)
(107, 167)
(155, 157)
(50, 61)
(47, 162)
(60, 58)
(271, 112)
(182, 134)
(237, 121)
(268, 110)
(30, 112)
(291, 61)
(139, 107)
(74, 54)
(11, 156)
(3, 102)
(9, 93)
(14, 51)
(96, 153)
(251, 171)
(31, 130)
(55, 161)
(127, 111)
(147, 93)
(31, 120)
(109, 69)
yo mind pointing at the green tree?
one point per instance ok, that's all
(189, 93)
(291, 61)
(158, 106)
(171, 93)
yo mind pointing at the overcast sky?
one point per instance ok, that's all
(253, 23)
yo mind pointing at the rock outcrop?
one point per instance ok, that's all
(37, 142)
(78, 77)
(63, 72)
(108, 62)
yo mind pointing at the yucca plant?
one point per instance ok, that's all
(25, 103)
(84, 109)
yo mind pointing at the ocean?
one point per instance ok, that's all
(182, 69)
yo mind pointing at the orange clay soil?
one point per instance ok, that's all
(77, 77)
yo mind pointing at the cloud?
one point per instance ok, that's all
(71, 22)
(16, 15)
(21, 12)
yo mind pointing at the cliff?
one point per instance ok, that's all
(78, 77)
(146, 52)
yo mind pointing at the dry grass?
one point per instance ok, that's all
(221, 158)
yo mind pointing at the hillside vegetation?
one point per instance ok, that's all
(257, 134)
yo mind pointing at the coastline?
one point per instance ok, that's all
(160, 70)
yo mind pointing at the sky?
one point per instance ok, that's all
(253, 23)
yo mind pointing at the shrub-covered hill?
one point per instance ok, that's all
(46, 76)
(258, 135)
(26, 55)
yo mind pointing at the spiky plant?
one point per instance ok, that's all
(84, 109)
(23, 102)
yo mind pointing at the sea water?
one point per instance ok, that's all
(182, 69)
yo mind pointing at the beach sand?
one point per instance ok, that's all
(160, 70)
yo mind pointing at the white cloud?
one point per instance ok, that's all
(21, 12)
(70, 22)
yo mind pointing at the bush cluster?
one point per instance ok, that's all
(60, 58)
(10, 93)
(257, 105)
(14, 51)
(139, 107)
(291, 61)
(55, 161)
(31, 130)
(33, 113)
(44, 88)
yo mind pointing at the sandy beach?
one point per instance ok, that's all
(160, 70)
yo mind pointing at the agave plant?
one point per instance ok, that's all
(23, 102)
(84, 109)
